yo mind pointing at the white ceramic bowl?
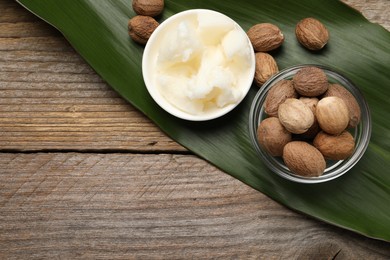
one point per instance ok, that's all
(150, 74)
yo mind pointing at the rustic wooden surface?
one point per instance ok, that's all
(85, 175)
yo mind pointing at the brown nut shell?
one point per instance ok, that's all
(315, 127)
(310, 81)
(303, 159)
(295, 116)
(277, 94)
(332, 115)
(311, 102)
(265, 37)
(312, 34)
(141, 28)
(266, 67)
(272, 136)
(335, 147)
(148, 7)
(337, 90)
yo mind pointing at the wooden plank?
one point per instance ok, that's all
(70, 205)
(10, 13)
(50, 99)
(376, 11)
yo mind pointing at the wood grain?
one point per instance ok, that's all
(152, 200)
(71, 205)
(50, 99)
(376, 11)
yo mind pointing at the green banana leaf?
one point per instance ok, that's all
(360, 50)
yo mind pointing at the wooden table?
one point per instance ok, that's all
(85, 175)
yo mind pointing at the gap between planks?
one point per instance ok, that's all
(97, 151)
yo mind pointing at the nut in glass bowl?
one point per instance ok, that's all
(334, 167)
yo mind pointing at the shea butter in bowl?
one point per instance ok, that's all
(198, 65)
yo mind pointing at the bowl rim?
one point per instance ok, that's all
(340, 167)
(152, 88)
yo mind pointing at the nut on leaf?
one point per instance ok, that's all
(295, 116)
(278, 93)
(303, 159)
(266, 67)
(310, 81)
(141, 28)
(312, 34)
(148, 7)
(265, 37)
(335, 147)
(272, 136)
(337, 90)
(332, 114)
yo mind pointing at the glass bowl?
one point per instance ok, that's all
(334, 169)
